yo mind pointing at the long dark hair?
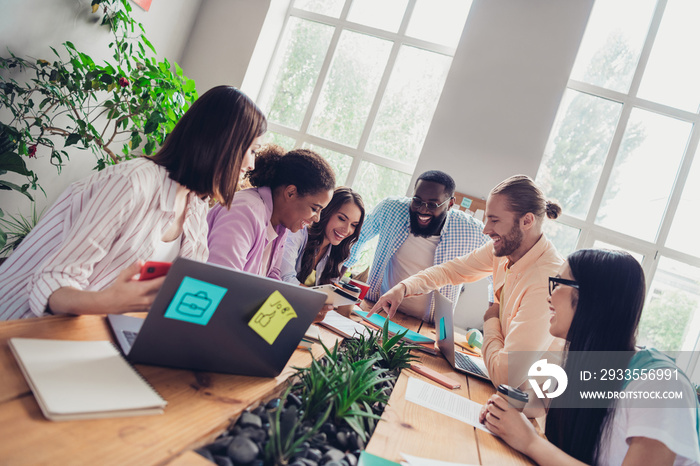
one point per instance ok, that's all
(608, 306)
(317, 232)
(205, 150)
(303, 168)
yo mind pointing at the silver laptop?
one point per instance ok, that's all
(444, 331)
(212, 318)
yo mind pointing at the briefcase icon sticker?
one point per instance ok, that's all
(194, 304)
(195, 301)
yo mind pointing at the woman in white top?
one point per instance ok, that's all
(81, 258)
(596, 303)
(315, 255)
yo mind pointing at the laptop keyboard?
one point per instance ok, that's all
(466, 364)
(130, 336)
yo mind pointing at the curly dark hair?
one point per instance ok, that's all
(317, 232)
(303, 168)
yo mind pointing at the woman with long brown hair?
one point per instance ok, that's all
(315, 255)
(82, 257)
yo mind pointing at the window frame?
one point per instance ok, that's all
(358, 154)
(589, 230)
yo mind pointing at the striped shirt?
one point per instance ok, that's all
(460, 235)
(96, 228)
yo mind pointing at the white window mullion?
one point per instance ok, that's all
(320, 81)
(608, 165)
(646, 49)
(679, 184)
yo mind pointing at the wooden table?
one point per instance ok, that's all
(202, 405)
(415, 430)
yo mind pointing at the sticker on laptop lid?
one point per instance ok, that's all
(272, 317)
(443, 330)
(195, 301)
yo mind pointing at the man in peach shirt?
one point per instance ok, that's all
(521, 260)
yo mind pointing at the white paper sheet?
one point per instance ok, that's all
(444, 402)
(344, 326)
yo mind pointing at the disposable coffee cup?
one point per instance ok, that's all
(364, 287)
(515, 397)
(351, 290)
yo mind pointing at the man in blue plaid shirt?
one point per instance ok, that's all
(417, 233)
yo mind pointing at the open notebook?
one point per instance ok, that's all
(83, 380)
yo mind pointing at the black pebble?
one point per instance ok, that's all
(294, 400)
(272, 404)
(223, 461)
(314, 454)
(243, 450)
(205, 453)
(333, 455)
(249, 419)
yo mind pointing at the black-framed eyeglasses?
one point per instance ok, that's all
(556, 281)
(417, 203)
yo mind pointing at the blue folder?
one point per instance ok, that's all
(394, 328)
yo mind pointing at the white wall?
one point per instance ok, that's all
(503, 90)
(29, 27)
(222, 41)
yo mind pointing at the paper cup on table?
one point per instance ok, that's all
(364, 288)
(351, 289)
(515, 397)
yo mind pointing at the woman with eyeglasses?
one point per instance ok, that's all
(289, 192)
(595, 304)
(315, 255)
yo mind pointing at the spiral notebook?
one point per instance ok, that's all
(83, 380)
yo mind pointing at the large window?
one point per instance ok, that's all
(358, 81)
(622, 160)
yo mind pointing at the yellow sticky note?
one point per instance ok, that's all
(272, 317)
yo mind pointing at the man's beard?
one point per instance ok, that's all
(510, 242)
(431, 229)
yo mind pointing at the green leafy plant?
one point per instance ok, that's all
(15, 229)
(316, 382)
(394, 352)
(356, 392)
(287, 433)
(350, 386)
(70, 100)
(362, 347)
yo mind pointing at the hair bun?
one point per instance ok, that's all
(552, 209)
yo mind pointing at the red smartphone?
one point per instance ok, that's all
(152, 269)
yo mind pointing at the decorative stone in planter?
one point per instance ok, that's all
(328, 413)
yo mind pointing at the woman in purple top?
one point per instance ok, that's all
(289, 191)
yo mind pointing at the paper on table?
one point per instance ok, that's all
(312, 333)
(444, 402)
(417, 461)
(344, 326)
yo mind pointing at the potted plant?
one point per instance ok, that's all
(69, 100)
(327, 413)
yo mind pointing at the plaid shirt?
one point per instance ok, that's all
(390, 220)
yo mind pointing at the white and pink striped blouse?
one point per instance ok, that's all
(96, 228)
